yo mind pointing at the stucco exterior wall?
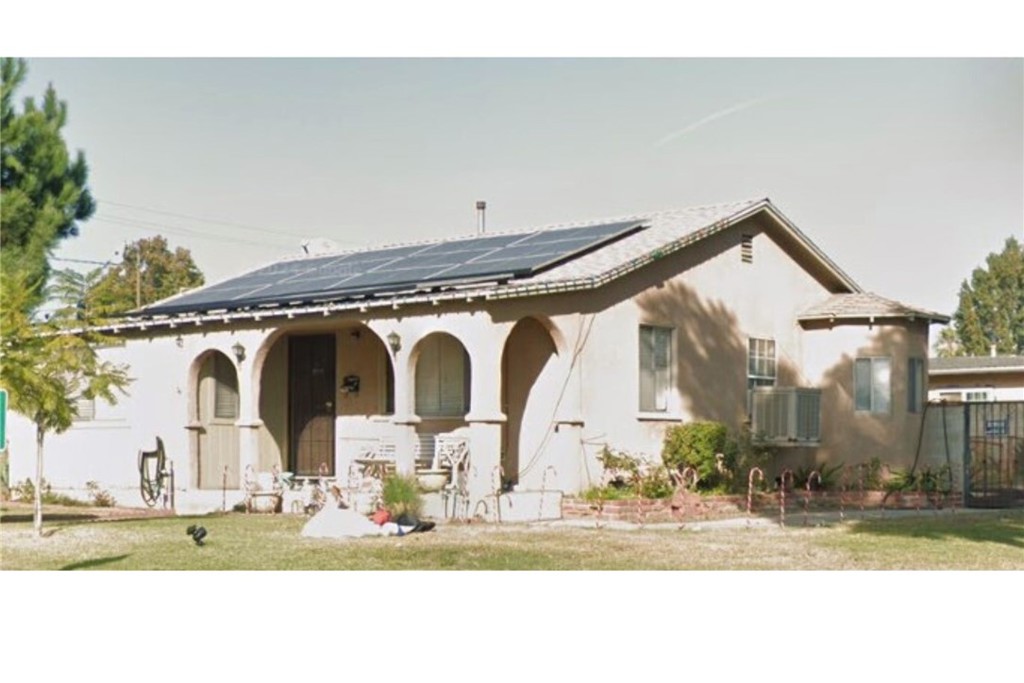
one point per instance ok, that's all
(850, 436)
(715, 303)
(572, 372)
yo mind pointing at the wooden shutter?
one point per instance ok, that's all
(225, 402)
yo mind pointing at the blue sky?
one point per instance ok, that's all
(907, 172)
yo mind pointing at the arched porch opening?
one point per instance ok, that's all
(442, 377)
(530, 395)
(323, 397)
(215, 410)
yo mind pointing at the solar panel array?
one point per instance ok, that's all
(398, 269)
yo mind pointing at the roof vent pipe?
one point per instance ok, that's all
(992, 350)
(481, 210)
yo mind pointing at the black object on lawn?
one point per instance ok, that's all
(197, 533)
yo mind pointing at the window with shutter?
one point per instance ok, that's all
(225, 403)
(85, 409)
(442, 378)
(915, 385)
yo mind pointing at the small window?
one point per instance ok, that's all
(915, 385)
(85, 409)
(872, 385)
(977, 396)
(655, 368)
(760, 363)
(225, 400)
(747, 248)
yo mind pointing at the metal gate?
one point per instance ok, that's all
(994, 454)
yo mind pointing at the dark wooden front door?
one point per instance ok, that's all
(311, 382)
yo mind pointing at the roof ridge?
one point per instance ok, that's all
(525, 230)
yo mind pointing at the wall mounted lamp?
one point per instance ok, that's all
(239, 352)
(395, 342)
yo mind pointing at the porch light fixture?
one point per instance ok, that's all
(395, 342)
(179, 341)
(239, 352)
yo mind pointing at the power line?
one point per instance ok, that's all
(179, 230)
(196, 218)
(81, 260)
(232, 224)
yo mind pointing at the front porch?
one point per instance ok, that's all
(336, 401)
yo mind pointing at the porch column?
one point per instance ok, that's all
(574, 473)
(248, 425)
(404, 419)
(485, 416)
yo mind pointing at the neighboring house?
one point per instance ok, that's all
(540, 346)
(976, 379)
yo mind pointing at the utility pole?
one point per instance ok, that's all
(138, 278)
(138, 273)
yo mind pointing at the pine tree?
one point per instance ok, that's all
(43, 193)
(991, 308)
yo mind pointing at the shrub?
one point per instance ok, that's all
(749, 452)
(626, 476)
(26, 492)
(699, 445)
(401, 495)
(829, 476)
(101, 498)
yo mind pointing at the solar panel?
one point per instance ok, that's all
(398, 269)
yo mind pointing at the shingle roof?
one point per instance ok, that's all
(864, 305)
(975, 364)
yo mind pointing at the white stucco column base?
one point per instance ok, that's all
(248, 445)
(405, 442)
(572, 475)
(484, 458)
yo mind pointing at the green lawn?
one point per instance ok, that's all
(989, 540)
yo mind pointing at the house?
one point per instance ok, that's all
(976, 379)
(539, 347)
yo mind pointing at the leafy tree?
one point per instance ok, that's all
(46, 366)
(991, 309)
(43, 190)
(149, 271)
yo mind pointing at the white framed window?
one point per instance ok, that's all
(872, 385)
(915, 385)
(760, 363)
(442, 378)
(977, 396)
(655, 368)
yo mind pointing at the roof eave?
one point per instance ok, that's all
(931, 318)
(1000, 370)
